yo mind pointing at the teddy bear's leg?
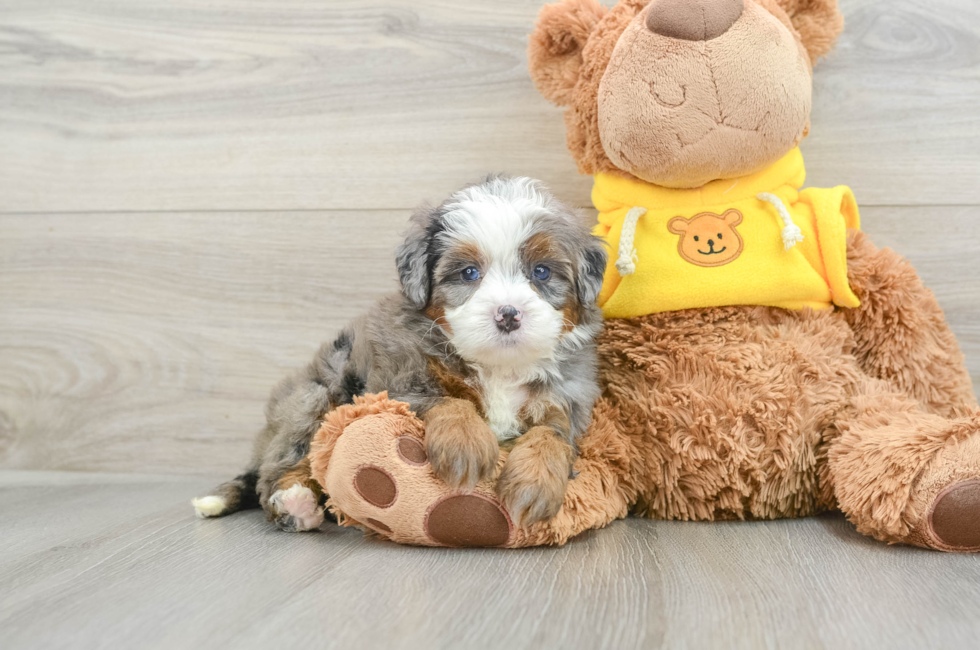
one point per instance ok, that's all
(903, 475)
(902, 334)
(372, 461)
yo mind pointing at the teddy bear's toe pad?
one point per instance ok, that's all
(955, 516)
(377, 525)
(412, 451)
(375, 486)
(467, 520)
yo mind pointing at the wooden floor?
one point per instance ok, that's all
(194, 194)
(115, 561)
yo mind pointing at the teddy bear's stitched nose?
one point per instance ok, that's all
(693, 20)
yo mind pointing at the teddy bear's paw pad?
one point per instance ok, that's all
(468, 520)
(378, 526)
(412, 451)
(298, 509)
(376, 486)
(955, 516)
(380, 478)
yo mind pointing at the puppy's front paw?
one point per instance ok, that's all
(462, 449)
(532, 483)
(296, 509)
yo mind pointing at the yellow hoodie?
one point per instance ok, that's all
(756, 240)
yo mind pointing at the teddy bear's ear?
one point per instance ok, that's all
(819, 23)
(732, 217)
(678, 225)
(555, 47)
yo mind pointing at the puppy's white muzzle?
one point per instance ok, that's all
(505, 322)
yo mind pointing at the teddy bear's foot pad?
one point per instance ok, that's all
(955, 516)
(380, 478)
(376, 486)
(467, 520)
(453, 518)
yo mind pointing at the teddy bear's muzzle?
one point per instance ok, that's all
(693, 20)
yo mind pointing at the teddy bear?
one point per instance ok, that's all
(761, 357)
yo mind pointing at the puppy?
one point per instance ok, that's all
(491, 342)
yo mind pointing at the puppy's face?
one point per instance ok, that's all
(506, 270)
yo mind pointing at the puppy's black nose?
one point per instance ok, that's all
(711, 243)
(508, 318)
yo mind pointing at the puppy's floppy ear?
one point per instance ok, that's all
(554, 50)
(818, 22)
(412, 257)
(591, 267)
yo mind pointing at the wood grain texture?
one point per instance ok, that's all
(895, 104)
(149, 342)
(122, 563)
(124, 334)
(123, 105)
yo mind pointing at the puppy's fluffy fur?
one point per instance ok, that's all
(491, 341)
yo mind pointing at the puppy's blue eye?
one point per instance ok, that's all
(541, 272)
(470, 274)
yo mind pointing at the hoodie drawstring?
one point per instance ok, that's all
(626, 264)
(792, 235)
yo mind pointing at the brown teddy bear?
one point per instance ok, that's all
(761, 357)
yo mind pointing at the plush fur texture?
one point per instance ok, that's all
(760, 413)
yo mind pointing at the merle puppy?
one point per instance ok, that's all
(491, 342)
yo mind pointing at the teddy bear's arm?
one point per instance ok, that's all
(901, 331)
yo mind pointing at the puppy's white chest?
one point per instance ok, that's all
(503, 399)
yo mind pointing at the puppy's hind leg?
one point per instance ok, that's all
(297, 503)
(286, 488)
(231, 496)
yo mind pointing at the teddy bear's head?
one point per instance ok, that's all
(682, 92)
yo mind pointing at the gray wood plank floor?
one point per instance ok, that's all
(120, 562)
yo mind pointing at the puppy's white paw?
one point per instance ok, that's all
(209, 506)
(298, 509)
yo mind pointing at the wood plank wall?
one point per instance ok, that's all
(194, 195)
